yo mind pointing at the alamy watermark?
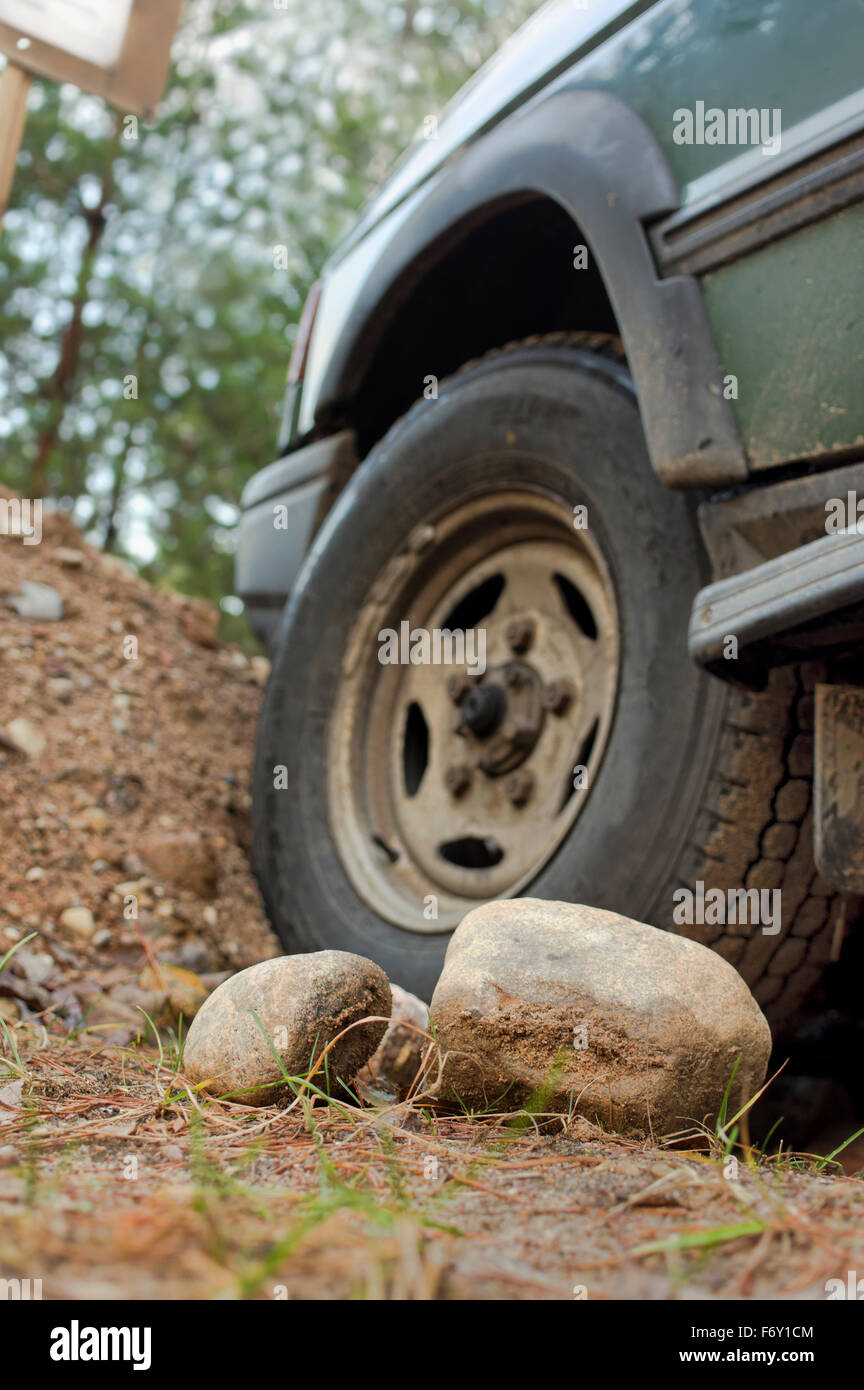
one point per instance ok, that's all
(20, 1290)
(752, 906)
(21, 516)
(737, 126)
(77, 1343)
(851, 1288)
(437, 646)
(844, 514)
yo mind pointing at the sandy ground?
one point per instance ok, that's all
(116, 1181)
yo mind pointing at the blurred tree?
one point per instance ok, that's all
(144, 324)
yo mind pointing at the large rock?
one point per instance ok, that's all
(634, 1027)
(397, 1060)
(302, 1002)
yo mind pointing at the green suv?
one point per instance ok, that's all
(565, 506)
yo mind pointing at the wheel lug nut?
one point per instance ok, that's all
(523, 732)
(520, 634)
(558, 695)
(458, 687)
(519, 786)
(457, 779)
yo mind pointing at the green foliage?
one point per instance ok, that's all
(145, 330)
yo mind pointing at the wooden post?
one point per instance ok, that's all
(14, 86)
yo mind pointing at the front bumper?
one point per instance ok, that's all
(283, 506)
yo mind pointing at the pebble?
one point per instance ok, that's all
(26, 737)
(400, 1052)
(37, 602)
(78, 919)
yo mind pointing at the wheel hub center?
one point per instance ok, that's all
(504, 712)
(483, 709)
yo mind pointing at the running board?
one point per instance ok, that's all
(792, 589)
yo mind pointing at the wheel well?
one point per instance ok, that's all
(509, 277)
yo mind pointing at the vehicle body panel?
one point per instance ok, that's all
(789, 324)
(554, 38)
(739, 53)
(781, 317)
(656, 57)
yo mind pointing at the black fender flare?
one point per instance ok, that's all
(599, 161)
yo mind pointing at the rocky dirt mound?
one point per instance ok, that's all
(125, 738)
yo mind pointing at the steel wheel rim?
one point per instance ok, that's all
(419, 848)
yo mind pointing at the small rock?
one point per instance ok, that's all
(195, 956)
(37, 602)
(10, 1095)
(132, 887)
(62, 688)
(303, 1003)
(116, 568)
(260, 667)
(10, 1010)
(71, 559)
(118, 1020)
(36, 965)
(189, 860)
(95, 818)
(186, 993)
(78, 919)
(400, 1052)
(199, 621)
(8, 1155)
(636, 1028)
(26, 737)
(35, 874)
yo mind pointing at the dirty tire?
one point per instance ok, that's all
(699, 780)
(754, 828)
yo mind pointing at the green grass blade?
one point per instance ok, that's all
(695, 1240)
